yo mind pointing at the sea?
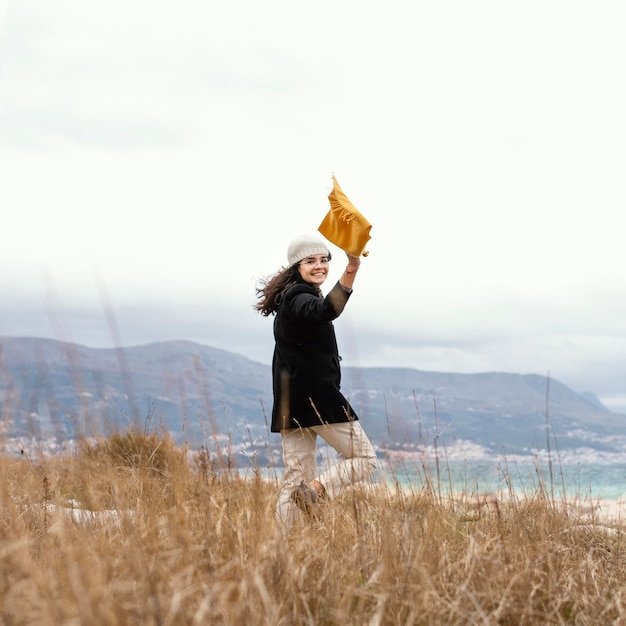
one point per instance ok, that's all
(468, 468)
(526, 476)
(586, 475)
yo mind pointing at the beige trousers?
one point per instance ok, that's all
(358, 461)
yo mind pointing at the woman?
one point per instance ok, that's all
(306, 378)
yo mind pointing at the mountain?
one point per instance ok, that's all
(54, 391)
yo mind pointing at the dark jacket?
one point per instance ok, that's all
(305, 368)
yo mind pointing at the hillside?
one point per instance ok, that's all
(54, 391)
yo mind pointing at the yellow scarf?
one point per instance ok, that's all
(344, 225)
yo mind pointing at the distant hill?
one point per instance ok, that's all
(54, 391)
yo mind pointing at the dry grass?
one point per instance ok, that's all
(176, 541)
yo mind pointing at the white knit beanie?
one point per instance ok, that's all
(304, 246)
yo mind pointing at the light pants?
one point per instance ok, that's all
(299, 457)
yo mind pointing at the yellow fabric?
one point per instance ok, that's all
(344, 225)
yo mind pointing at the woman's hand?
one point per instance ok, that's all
(354, 262)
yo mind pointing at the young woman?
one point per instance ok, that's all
(306, 379)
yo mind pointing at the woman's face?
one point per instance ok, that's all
(314, 269)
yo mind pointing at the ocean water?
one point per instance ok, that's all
(522, 476)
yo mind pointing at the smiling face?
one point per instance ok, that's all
(314, 269)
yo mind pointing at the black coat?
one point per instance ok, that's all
(305, 368)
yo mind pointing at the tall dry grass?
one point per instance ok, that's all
(132, 530)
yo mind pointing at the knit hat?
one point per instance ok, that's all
(304, 246)
(344, 225)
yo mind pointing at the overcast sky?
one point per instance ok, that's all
(156, 158)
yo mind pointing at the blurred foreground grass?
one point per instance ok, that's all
(133, 530)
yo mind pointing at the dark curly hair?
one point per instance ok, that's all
(270, 290)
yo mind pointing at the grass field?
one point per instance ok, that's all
(134, 530)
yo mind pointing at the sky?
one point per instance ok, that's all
(157, 158)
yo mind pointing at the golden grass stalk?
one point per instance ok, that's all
(133, 530)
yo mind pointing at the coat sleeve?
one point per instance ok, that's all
(305, 304)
